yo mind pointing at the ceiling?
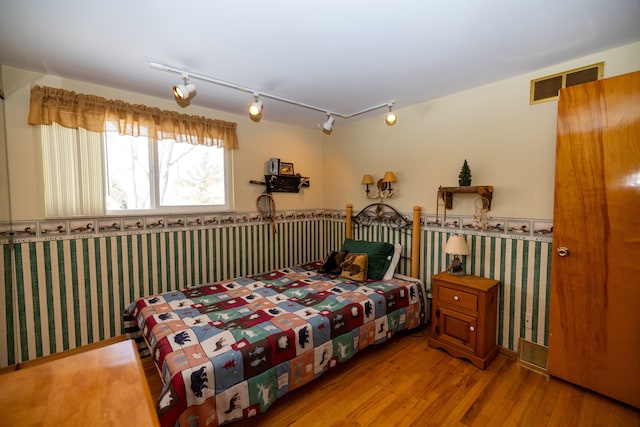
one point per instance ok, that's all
(342, 56)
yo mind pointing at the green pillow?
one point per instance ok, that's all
(380, 254)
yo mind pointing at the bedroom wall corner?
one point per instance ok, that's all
(72, 290)
(258, 143)
(520, 263)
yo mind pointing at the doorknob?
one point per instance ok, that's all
(562, 251)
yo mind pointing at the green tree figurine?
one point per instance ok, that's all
(464, 179)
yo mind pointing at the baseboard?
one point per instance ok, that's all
(508, 353)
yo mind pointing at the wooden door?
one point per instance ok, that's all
(594, 307)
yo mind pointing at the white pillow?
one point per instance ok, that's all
(397, 251)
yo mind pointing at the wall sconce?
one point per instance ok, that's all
(384, 186)
(456, 246)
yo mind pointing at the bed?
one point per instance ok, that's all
(227, 350)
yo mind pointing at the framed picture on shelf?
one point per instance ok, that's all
(286, 168)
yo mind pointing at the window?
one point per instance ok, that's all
(186, 176)
(126, 174)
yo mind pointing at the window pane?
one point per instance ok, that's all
(128, 180)
(190, 175)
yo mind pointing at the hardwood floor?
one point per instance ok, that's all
(406, 383)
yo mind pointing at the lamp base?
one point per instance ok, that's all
(457, 273)
(455, 267)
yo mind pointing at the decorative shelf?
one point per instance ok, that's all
(485, 191)
(283, 183)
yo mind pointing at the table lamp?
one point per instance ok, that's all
(456, 246)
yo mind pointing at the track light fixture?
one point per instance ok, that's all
(391, 118)
(327, 126)
(255, 108)
(186, 91)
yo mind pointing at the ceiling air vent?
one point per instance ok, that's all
(547, 88)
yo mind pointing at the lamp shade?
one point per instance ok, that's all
(389, 177)
(456, 245)
(367, 179)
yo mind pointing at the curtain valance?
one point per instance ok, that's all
(97, 114)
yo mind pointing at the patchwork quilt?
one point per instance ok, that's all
(228, 350)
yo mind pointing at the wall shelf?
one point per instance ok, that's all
(283, 183)
(485, 191)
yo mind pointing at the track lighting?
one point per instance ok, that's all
(255, 108)
(186, 91)
(391, 118)
(327, 126)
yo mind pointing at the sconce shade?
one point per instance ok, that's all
(456, 245)
(389, 177)
(367, 179)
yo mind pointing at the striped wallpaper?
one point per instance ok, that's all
(523, 266)
(66, 292)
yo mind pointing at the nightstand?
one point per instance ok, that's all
(464, 313)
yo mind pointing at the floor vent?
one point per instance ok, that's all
(547, 88)
(533, 355)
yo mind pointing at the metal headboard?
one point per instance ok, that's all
(382, 214)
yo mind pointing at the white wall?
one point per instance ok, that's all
(5, 213)
(258, 142)
(507, 142)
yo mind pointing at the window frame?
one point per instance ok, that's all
(155, 186)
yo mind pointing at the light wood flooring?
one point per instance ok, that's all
(407, 383)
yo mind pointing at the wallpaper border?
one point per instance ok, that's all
(55, 229)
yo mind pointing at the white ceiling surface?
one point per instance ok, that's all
(339, 55)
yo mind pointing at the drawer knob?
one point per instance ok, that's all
(471, 328)
(456, 297)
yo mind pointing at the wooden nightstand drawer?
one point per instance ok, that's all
(457, 298)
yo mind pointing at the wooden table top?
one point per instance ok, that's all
(105, 386)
